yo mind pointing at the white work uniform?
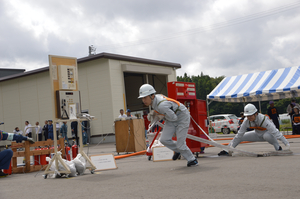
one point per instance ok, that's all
(271, 134)
(27, 129)
(122, 116)
(38, 129)
(18, 132)
(174, 122)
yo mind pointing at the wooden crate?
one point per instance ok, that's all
(130, 135)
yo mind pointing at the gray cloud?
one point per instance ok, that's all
(203, 36)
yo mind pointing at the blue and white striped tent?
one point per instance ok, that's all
(260, 86)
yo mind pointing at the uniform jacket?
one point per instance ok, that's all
(64, 128)
(50, 128)
(260, 121)
(167, 108)
(45, 128)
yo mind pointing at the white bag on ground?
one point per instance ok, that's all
(80, 164)
(72, 168)
(53, 167)
(69, 164)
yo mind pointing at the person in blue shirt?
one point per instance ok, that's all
(64, 131)
(50, 130)
(84, 133)
(128, 113)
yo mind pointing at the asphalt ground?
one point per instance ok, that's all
(137, 177)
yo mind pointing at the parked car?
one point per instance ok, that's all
(225, 123)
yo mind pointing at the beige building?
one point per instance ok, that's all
(107, 83)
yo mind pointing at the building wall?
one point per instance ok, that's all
(101, 84)
(95, 88)
(25, 98)
(118, 88)
(172, 77)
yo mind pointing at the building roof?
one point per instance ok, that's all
(128, 58)
(10, 71)
(99, 56)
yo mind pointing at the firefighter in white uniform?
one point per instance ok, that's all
(177, 119)
(263, 130)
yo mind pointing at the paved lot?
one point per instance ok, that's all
(136, 177)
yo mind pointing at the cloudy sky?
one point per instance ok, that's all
(216, 37)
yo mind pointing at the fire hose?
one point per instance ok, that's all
(198, 139)
(211, 141)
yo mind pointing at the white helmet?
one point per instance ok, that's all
(249, 109)
(145, 90)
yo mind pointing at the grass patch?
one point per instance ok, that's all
(286, 122)
(284, 127)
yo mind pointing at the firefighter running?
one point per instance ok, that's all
(177, 119)
(263, 129)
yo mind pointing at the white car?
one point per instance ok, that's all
(224, 123)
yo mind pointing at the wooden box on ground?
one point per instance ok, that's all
(130, 135)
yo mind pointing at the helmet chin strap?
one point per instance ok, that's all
(151, 99)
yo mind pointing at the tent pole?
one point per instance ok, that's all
(207, 107)
(259, 105)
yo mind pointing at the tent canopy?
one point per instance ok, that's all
(260, 86)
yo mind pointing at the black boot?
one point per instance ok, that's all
(2, 174)
(192, 163)
(176, 156)
(223, 153)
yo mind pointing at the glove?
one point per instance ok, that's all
(159, 117)
(154, 116)
(151, 115)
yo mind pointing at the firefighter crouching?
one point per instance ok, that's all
(263, 129)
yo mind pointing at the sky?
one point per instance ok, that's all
(215, 37)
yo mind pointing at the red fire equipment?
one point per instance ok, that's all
(9, 170)
(43, 157)
(185, 93)
(68, 153)
(146, 121)
(74, 150)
